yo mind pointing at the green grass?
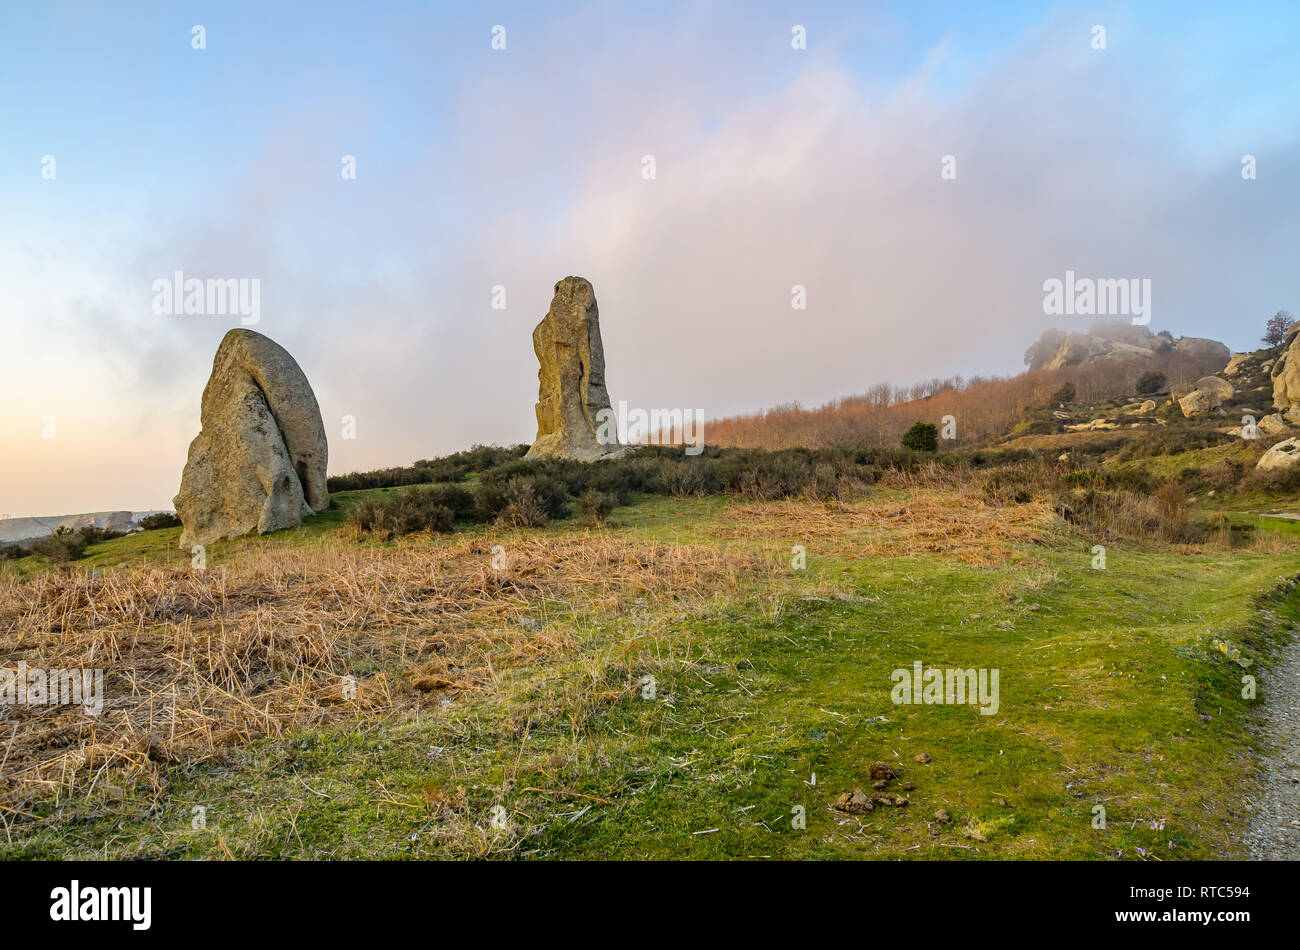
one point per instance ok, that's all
(1112, 693)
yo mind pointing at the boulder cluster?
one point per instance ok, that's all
(1254, 376)
(1210, 393)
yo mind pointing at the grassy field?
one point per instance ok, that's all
(671, 685)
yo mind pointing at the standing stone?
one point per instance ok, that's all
(259, 460)
(572, 391)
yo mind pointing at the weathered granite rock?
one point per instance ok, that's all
(571, 375)
(1199, 401)
(1283, 456)
(1286, 372)
(1093, 425)
(1272, 424)
(1235, 365)
(259, 461)
(1213, 384)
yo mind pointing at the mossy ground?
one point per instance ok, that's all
(769, 697)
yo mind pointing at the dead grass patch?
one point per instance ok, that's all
(957, 524)
(199, 662)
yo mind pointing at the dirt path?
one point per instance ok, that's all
(1273, 832)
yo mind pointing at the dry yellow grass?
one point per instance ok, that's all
(199, 661)
(954, 523)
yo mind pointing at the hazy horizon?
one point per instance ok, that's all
(774, 167)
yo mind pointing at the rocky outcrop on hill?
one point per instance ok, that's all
(1110, 340)
(1237, 365)
(259, 461)
(571, 376)
(1286, 372)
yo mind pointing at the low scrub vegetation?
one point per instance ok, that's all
(416, 509)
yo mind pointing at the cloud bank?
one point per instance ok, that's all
(774, 168)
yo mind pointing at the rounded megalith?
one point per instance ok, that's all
(258, 462)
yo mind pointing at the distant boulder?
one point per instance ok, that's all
(1272, 424)
(1220, 387)
(1281, 457)
(1209, 394)
(1198, 402)
(1236, 365)
(259, 461)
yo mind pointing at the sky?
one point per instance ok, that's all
(128, 155)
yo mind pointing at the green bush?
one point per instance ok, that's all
(1009, 486)
(1066, 394)
(163, 519)
(449, 468)
(922, 437)
(61, 547)
(364, 517)
(1084, 478)
(826, 482)
(94, 535)
(499, 489)
(1174, 441)
(525, 507)
(459, 500)
(1284, 481)
(1150, 382)
(594, 505)
(416, 509)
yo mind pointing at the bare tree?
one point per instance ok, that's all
(1276, 329)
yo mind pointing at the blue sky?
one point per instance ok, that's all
(481, 167)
